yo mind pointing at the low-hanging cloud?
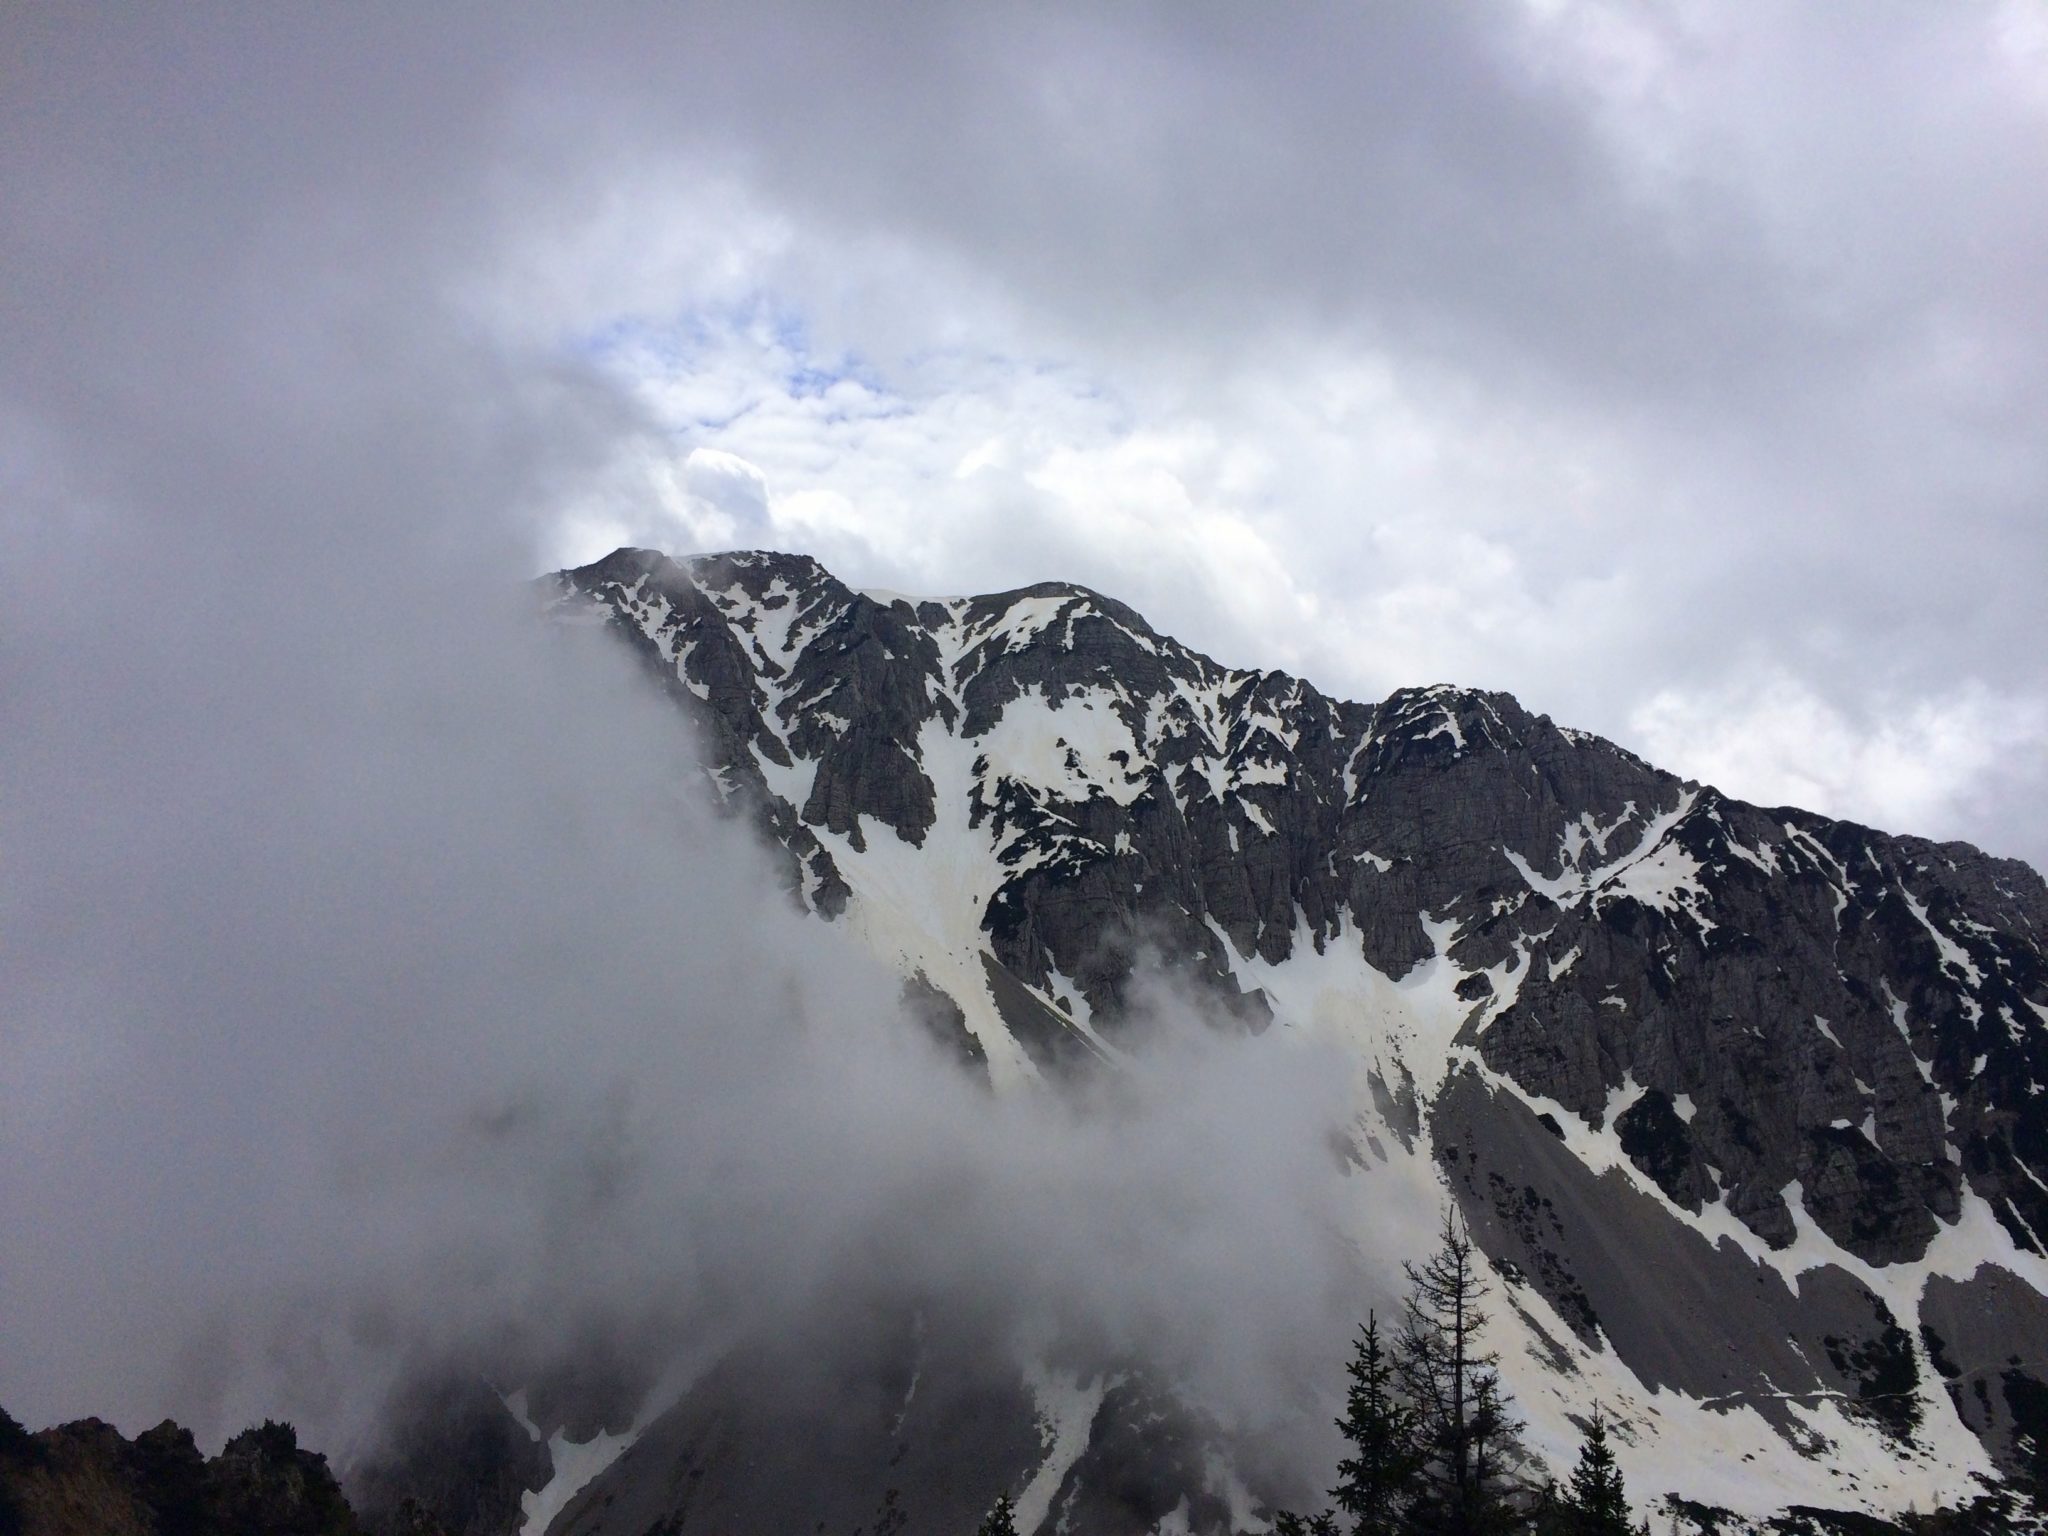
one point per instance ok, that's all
(373, 988)
(381, 989)
(387, 992)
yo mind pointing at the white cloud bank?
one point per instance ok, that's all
(1926, 765)
(1450, 539)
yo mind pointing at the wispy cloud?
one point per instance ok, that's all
(1681, 371)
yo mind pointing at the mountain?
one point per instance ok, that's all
(1741, 1103)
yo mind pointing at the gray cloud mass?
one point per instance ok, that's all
(371, 984)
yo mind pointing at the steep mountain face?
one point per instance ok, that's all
(1742, 1103)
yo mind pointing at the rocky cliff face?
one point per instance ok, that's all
(1742, 1102)
(87, 1479)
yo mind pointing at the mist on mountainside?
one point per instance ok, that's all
(381, 993)
(385, 993)
(390, 1010)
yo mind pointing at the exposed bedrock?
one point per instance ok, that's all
(1988, 1338)
(897, 1420)
(1822, 1005)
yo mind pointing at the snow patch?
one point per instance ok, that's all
(1075, 749)
(1066, 1409)
(1671, 872)
(576, 1462)
(1023, 621)
(1954, 958)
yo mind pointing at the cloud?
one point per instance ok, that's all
(1679, 370)
(1927, 764)
(377, 988)
(1543, 346)
(729, 484)
(388, 994)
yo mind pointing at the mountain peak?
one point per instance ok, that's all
(1777, 1071)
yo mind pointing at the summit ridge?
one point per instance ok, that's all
(1744, 1102)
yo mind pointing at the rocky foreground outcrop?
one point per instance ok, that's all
(87, 1479)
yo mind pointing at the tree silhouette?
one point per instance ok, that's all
(1001, 1521)
(1596, 1492)
(1593, 1502)
(1375, 1481)
(1465, 1436)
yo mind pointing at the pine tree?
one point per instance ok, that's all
(1001, 1521)
(1374, 1482)
(1594, 1503)
(1465, 1436)
(1288, 1523)
(1493, 1436)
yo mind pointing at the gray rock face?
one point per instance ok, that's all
(916, 1427)
(455, 1452)
(1792, 1022)
(1988, 1337)
(1854, 1013)
(1145, 1459)
(1705, 1320)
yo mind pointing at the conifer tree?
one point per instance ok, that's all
(1465, 1436)
(1001, 1521)
(1493, 1438)
(1596, 1481)
(1288, 1523)
(1374, 1482)
(1594, 1502)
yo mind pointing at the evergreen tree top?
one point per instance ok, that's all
(1595, 1498)
(1001, 1521)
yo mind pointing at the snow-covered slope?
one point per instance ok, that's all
(1743, 1104)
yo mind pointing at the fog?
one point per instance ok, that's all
(380, 988)
(377, 991)
(384, 988)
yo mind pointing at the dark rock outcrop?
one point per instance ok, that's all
(453, 1456)
(87, 1479)
(892, 1422)
(1858, 1018)
(1988, 1338)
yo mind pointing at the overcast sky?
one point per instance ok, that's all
(373, 995)
(1679, 368)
